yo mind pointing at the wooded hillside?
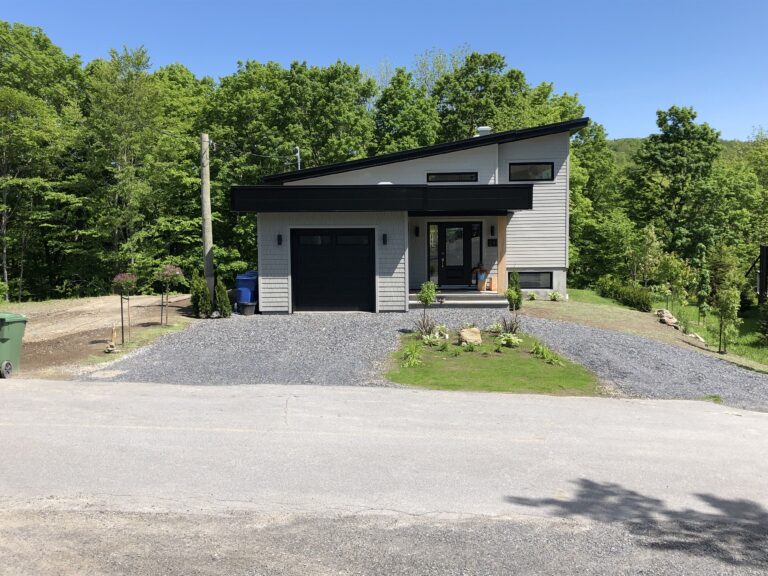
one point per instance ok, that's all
(99, 161)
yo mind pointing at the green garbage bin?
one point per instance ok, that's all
(11, 332)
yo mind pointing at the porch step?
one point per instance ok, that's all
(464, 299)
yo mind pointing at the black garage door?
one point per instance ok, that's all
(333, 269)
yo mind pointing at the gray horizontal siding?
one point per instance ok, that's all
(539, 237)
(275, 261)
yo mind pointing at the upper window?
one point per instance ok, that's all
(451, 176)
(528, 171)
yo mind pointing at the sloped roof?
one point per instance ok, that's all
(571, 126)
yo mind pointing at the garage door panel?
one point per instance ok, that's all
(333, 269)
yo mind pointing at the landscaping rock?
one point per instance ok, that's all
(470, 336)
(697, 337)
(666, 317)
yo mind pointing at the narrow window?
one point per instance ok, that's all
(535, 280)
(352, 240)
(531, 171)
(451, 176)
(315, 240)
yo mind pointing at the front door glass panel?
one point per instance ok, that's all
(454, 246)
(433, 253)
(454, 250)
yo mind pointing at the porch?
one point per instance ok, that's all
(457, 253)
(462, 299)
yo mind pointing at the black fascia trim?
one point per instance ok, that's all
(471, 199)
(461, 213)
(571, 126)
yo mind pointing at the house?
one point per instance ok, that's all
(360, 235)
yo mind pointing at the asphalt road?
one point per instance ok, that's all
(100, 478)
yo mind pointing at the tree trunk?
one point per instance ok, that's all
(720, 341)
(128, 305)
(4, 232)
(21, 262)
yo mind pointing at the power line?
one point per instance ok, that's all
(24, 52)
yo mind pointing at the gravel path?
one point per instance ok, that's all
(644, 368)
(348, 349)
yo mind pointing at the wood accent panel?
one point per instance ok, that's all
(501, 231)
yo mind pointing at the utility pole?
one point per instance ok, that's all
(205, 203)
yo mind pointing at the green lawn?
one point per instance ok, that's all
(590, 297)
(747, 344)
(512, 370)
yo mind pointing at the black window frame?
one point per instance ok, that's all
(451, 177)
(547, 272)
(551, 168)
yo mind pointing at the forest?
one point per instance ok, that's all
(99, 165)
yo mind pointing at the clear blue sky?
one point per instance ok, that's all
(625, 59)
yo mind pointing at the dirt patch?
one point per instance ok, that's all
(54, 318)
(61, 339)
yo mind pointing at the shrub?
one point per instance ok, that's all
(430, 339)
(514, 284)
(495, 328)
(468, 325)
(170, 275)
(468, 346)
(125, 282)
(412, 355)
(541, 351)
(425, 325)
(510, 324)
(200, 296)
(443, 346)
(555, 296)
(514, 298)
(427, 296)
(531, 296)
(427, 293)
(630, 294)
(508, 340)
(223, 305)
(441, 331)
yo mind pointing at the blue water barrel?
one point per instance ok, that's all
(242, 295)
(246, 285)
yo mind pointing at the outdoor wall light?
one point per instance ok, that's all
(493, 230)
(384, 239)
(279, 239)
(416, 231)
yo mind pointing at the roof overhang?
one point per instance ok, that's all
(476, 199)
(571, 127)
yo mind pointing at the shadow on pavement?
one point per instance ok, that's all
(735, 533)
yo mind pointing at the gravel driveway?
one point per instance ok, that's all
(348, 349)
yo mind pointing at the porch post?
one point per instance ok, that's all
(501, 266)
